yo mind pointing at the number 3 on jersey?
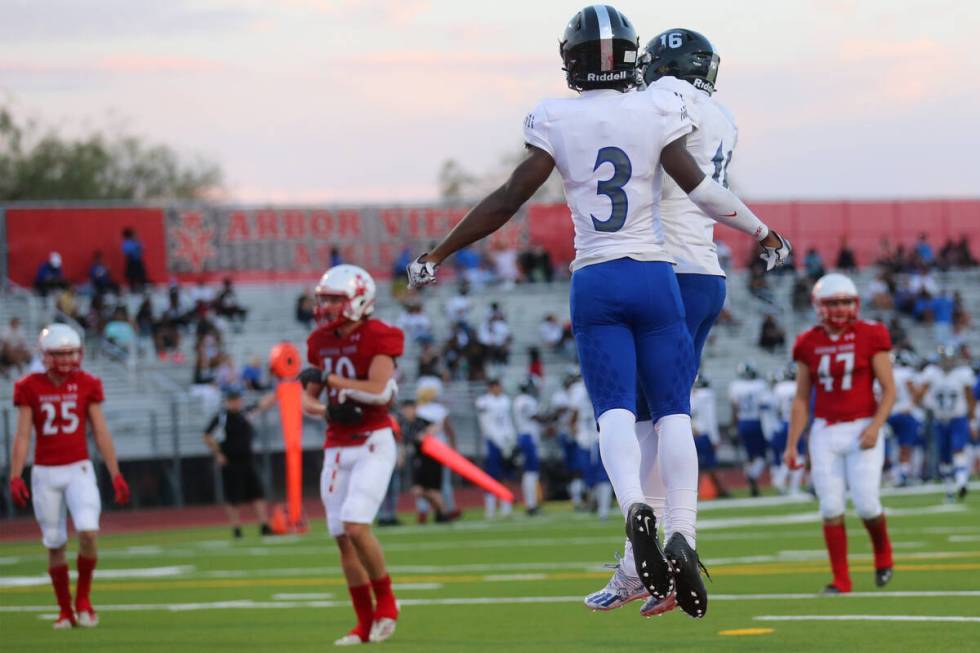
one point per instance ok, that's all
(827, 378)
(69, 420)
(613, 188)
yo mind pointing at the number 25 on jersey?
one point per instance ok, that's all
(68, 421)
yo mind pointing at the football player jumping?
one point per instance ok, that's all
(841, 358)
(59, 403)
(611, 148)
(353, 356)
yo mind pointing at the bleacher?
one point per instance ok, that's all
(152, 414)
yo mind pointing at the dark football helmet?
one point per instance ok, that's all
(599, 50)
(681, 53)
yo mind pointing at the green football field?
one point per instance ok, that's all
(517, 585)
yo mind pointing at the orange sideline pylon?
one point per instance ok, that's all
(284, 360)
(455, 461)
(706, 488)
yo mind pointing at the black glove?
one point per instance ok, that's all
(310, 375)
(344, 413)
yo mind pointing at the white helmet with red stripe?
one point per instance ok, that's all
(61, 348)
(345, 293)
(836, 300)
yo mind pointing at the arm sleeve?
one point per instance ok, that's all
(722, 205)
(536, 130)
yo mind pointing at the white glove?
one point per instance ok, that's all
(775, 256)
(421, 274)
(382, 398)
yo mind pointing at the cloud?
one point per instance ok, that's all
(122, 63)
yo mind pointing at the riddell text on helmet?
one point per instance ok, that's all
(609, 77)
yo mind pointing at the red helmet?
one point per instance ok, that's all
(345, 293)
(836, 300)
(61, 348)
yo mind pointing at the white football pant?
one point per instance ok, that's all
(837, 463)
(354, 480)
(57, 487)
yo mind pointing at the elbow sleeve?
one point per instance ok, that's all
(723, 206)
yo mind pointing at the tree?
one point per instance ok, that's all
(456, 184)
(42, 164)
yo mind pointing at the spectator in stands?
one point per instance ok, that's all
(144, 316)
(505, 270)
(399, 274)
(226, 304)
(251, 376)
(304, 310)
(414, 322)
(923, 250)
(802, 286)
(132, 250)
(550, 332)
(15, 350)
(67, 306)
(943, 310)
(900, 337)
(119, 333)
(759, 282)
(463, 347)
(99, 276)
(495, 336)
(335, 257)
(845, 257)
(771, 335)
(880, 292)
(466, 262)
(50, 276)
(922, 280)
(536, 265)
(535, 367)
(459, 305)
(430, 362)
(201, 295)
(813, 263)
(964, 255)
(166, 330)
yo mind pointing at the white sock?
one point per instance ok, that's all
(421, 506)
(754, 468)
(796, 479)
(651, 480)
(779, 477)
(577, 490)
(678, 460)
(603, 498)
(621, 455)
(629, 563)
(506, 507)
(529, 486)
(917, 462)
(961, 469)
(489, 505)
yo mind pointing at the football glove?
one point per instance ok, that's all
(421, 274)
(121, 488)
(775, 256)
(19, 492)
(346, 413)
(310, 375)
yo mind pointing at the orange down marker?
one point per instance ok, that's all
(455, 461)
(284, 361)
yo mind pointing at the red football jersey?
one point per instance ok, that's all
(351, 357)
(60, 414)
(840, 368)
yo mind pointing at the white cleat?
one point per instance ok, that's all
(88, 619)
(350, 639)
(63, 623)
(620, 590)
(382, 629)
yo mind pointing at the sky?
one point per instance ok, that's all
(352, 101)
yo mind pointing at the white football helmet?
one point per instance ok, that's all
(351, 283)
(836, 300)
(61, 348)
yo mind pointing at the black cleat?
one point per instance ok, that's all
(832, 589)
(754, 487)
(691, 593)
(882, 576)
(962, 493)
(236, 532)
(651, 565)
(265, 529)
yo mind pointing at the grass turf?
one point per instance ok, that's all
(514, 585)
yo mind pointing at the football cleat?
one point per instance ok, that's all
(651, 565)
(691, 593)
(882, 576)
(620, 590)
(832, 589)
(654, 607)
(64, 621)
(382, 629)
(88, 618)
(962, 493)
(350, 639)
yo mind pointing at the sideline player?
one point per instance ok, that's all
(906, 419)
(354, 357)
(747, 393)
(497, 426)
(947, 390)
(59, 403)
(784, 479)
(609, 146)
(527, 420)
(841, 358)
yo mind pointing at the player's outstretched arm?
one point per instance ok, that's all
(495, 209)
(799, 414)
(881, 365)
(719, 203)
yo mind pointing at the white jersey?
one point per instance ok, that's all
(560, 401)
(607, 145)
(704, 414)
(689, 232)
(495, 420)
(769, 414)
(903, 396)
(435, 413)
(586, 431)
(748, 395)
(525, 410)
(946, 395)
(783, 393)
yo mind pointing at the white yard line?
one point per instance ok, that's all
(479, 600)
(103, 574)
(309, 596)
(866, 617)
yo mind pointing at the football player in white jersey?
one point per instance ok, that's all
(611, 148)
(785, 479)
(746, 393)
(947, 390)
(527, 420)
(906, 419)
(497, 425)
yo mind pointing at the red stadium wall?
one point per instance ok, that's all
(75, 233)
(294, 243)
